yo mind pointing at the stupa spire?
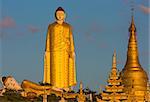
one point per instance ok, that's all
(114, 72)
(134, 78)
(132, 52)
(114, 62)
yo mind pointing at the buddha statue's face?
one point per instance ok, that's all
(11, 83)
(60, 15)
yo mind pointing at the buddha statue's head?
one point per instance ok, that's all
(60, 14)
(10, 83)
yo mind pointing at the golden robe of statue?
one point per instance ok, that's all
(59, 59)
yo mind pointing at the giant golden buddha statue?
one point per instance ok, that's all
(59, 58)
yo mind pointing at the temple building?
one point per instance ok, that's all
(114, 90)
(131, 84)
(81, 96)
(134, 77)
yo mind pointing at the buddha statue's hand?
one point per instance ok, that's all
(72, 55)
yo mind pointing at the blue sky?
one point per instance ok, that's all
(99, 27)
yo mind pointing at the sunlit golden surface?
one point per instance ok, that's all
(31, 87)
(114, 90)
(134, 77)
(59, 61)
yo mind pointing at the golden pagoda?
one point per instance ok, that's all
(114, 90)
(133, 75)
(81, 96)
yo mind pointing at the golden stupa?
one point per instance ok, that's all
(133, 75)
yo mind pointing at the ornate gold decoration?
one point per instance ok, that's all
(134, 77)
(114, 90)
(59, 58)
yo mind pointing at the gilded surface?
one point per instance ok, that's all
(133, 75)
(59, 61)
(31, 87)
(114, 90)
(81, 96)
